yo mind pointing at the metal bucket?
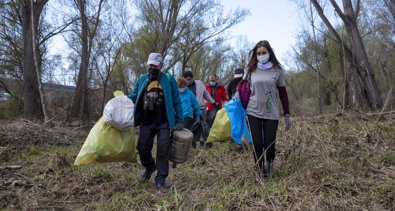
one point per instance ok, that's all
(180, 145)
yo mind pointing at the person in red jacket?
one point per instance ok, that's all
(218, 93)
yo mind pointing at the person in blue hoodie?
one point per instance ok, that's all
(190, 106)
(157, 111)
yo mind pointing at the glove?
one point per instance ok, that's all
(179, 126)
(215, 104)
(288, 124)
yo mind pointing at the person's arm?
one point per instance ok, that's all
(207, 96)
(195, 105)
(176, 101)
(135, 91)
(282, 91)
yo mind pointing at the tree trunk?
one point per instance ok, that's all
(390, 4)
(370, 87)
(81, 94)
(317, 68)
(32, 107)
(81, 97)
(37, 67)
(359, 64)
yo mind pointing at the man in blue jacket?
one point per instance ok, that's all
(157, 110)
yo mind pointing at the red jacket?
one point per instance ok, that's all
(220, 95)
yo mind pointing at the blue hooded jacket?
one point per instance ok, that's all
(190, 105)
(170, 92)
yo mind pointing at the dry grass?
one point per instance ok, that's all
(323, 163)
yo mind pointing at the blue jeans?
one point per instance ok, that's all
(144, 147)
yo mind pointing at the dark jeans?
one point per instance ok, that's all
(145, 144)
(188, 122)
(203, 130)
(263, 132)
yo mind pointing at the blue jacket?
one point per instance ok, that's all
(190, 105)
(170, 92)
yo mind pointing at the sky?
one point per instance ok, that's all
(276, 21)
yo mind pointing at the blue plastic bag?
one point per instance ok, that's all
(238, 123)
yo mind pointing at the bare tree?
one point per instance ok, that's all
(36, 67)
(317, 69)
(89, 26)
(31, 96)
(361, 75)
(180, 27)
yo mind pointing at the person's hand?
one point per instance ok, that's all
(288, 123)
(179, 126)
(215, 104)
(236, 96)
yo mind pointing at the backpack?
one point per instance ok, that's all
(244, 89)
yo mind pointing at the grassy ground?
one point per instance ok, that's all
(323, 163)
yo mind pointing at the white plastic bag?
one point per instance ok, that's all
(118, 112)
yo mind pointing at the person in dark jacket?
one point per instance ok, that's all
(231, 89)
(157, 110)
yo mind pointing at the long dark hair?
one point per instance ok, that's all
(253, 60)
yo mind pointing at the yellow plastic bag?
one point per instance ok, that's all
(108, 144)
(220, 131)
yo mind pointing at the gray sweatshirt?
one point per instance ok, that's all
(202, 95)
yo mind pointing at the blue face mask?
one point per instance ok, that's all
(181, 89)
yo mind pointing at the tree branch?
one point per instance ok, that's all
(326, 21)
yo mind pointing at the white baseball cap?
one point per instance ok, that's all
(155, 59)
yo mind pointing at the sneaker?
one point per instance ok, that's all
(161, 188)
(147, 175)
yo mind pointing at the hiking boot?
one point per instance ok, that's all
(147, 174)
(161, 188)
(209, 145)
(268, 167)
(264, 177)
(201, 143)
(194, 144)
(240, 148)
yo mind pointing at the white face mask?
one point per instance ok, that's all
(182, 89)
(213, 83)
(263, 58)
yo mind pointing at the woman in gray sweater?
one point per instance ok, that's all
(267, 78)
